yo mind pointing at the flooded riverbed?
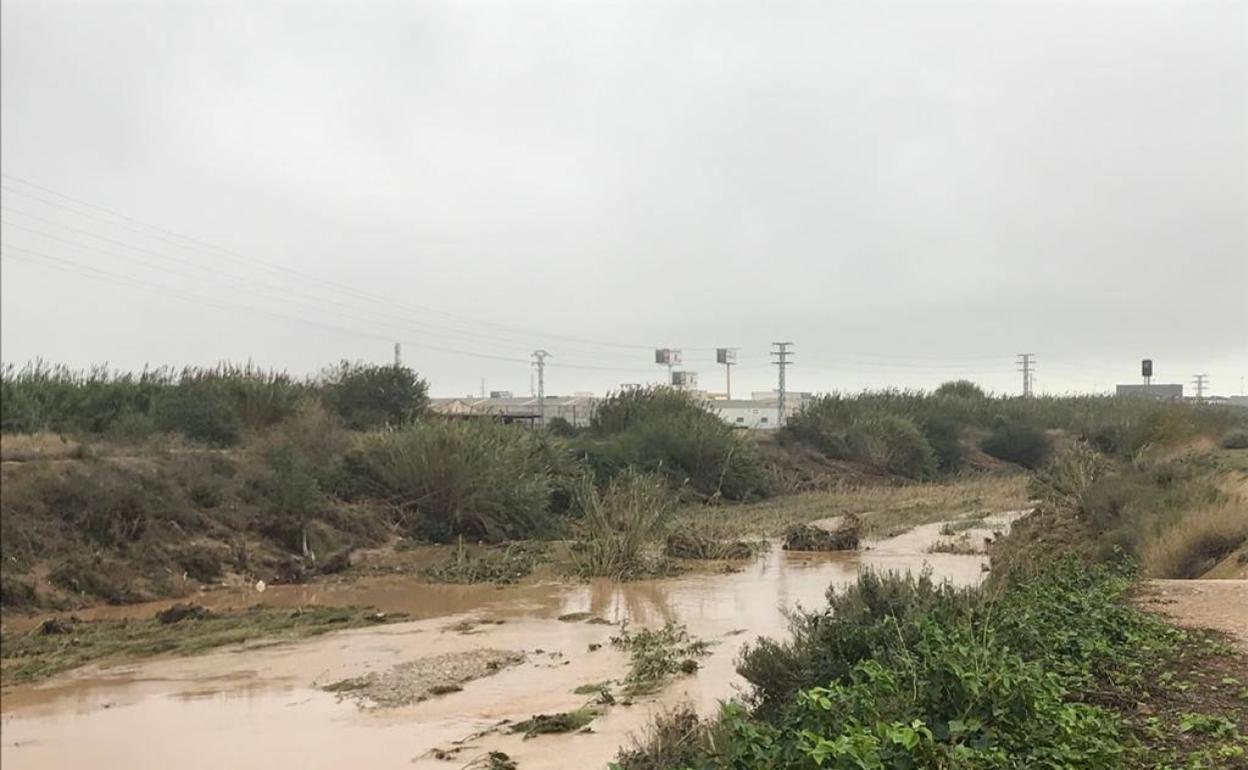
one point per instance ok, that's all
(262, 707)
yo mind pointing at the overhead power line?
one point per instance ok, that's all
(32, 256)
(254, 262)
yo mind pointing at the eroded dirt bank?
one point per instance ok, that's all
(264, 707)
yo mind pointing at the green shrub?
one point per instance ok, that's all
(619, 525)
(201, 411)
(960, 389)
(16, 594)
(883, 435)
(899, 447)
(368, 396)
(919, 677)
(1018, 443)
(665, 431)
(481, 480)
(112, 506)
(292, 498)
(1235, 439)
(560, 427)
(1068, 480)
(945, 436)
(877, 611)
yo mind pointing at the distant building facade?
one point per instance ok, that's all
(758, 413)
(577, 410)
(1155, 391)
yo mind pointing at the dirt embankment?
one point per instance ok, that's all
(1221, 605)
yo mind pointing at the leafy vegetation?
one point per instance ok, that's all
(482, 480)
(657, 655)
(1019, 443)
(368, 396)
(214, 406)
(899, 672)
(958, 415)
(619, 525)
(505, 564)
(662, 430)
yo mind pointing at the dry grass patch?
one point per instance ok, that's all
(1195, 544)
(885, 511)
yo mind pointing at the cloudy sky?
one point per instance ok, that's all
(909, 192)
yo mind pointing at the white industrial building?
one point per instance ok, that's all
(1158, 391)
(577, 410)
(758, 413)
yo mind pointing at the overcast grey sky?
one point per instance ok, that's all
(909, 192)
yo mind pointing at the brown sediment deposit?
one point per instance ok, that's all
(242, 707)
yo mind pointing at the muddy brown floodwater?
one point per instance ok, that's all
(262, 707)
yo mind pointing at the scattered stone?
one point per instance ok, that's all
(421, 679)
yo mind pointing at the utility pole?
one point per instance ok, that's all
(1201, 381)
(1027, 363)
(398, 355)
(727, 357)
(539, 360)
(783, 357)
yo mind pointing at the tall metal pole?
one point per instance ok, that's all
(1027, 367)
(539, 360)
(782, 354)
(1200, 381)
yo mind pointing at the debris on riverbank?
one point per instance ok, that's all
(808, 537)
(59, 645)
(423, 678)
(562, 722)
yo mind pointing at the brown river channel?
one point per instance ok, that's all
(262, 706)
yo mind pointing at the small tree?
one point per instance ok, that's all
(1019, 443)
(961, 389)
(369, 396)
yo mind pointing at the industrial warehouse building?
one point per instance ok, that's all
(757, 413)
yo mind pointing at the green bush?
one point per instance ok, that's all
(1018, 443)
(561, 427)
(665, 431)
(885, 436)
(900, 447)
(368, 396)
(945, 435)
(618, 525)
(481, 480)
(899, 673)
(1235, 439)
(860, 620)
(292, 497)
(112, 506)
(201, 411)
(960, 389)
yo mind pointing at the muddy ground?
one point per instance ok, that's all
(267, 705)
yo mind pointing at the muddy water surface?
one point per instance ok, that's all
(261, 706)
